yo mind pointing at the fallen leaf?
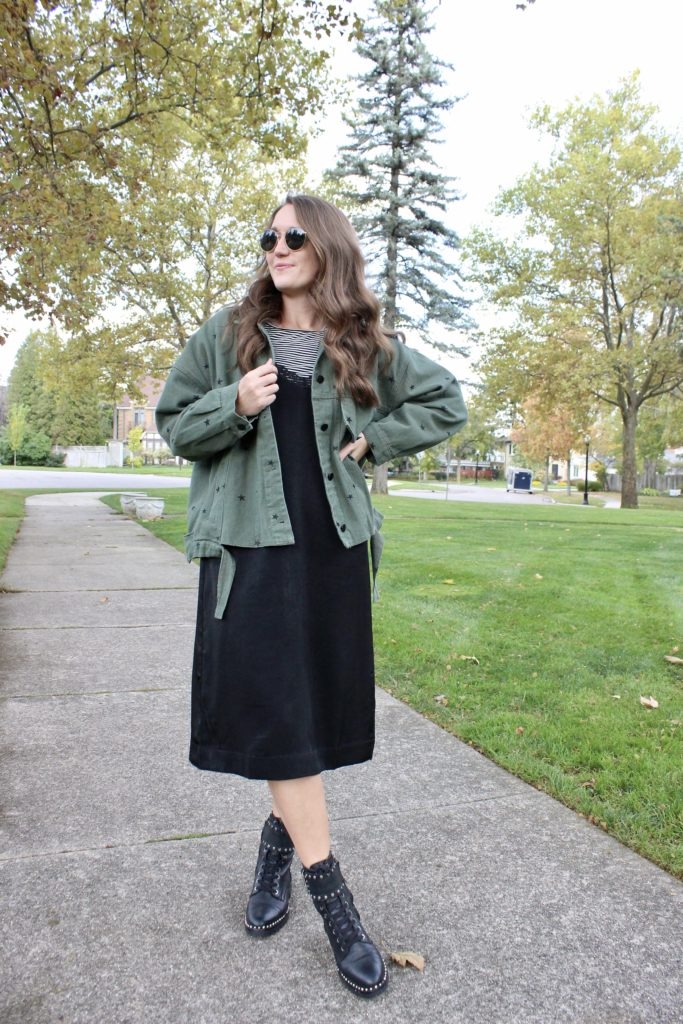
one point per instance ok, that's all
(449, 582)
(538, 576)
(649, 702)
(441, 698)
(673, 660)
(103, 600)
(675, 650)
(616, 696)
(407, 958)
(468, 657)
(519, 730)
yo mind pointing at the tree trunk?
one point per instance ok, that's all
(569, 471)
(380, 479)
(629, 483)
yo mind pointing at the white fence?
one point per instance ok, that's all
(92, 456)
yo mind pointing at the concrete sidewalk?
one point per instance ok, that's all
(124, 871)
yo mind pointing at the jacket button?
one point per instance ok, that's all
(320, 378)
(324, 426)
(343, 527)
(330, 476)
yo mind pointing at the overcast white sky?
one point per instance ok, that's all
(508, 62)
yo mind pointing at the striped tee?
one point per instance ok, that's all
(295, 350)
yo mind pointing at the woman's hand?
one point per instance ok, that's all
(355, 449)
(257, 389)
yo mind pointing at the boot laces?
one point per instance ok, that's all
(344, 921)
(271, 869)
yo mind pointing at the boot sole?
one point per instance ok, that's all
(264, 931)
(367, 993)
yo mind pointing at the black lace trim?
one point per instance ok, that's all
(293, 377)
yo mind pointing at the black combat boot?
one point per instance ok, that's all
(268, 905)
(359, 962)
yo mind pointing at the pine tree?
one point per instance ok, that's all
(388, 176)
(391, 178)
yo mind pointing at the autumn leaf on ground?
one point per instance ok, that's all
(649, 702)
(450, 583)
(441, 698)
(103, 600)
(468, 657)
(673, 660)
(407, 958)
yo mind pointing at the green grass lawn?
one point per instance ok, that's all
(569, 613)
(532, 632)
(11, 514)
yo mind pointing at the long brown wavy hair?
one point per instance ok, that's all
(350, 311)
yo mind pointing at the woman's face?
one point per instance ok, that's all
(293, 273)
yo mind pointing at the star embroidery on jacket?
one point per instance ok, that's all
(207, 423)
(219, 381)
(242, 498)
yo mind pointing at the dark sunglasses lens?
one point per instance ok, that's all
(295, 238)
(268, 240)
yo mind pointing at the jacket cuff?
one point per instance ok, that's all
(380, 449)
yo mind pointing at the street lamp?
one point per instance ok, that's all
(586, 441)
(476, 468)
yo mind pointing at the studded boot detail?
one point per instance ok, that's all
(268, 904)
(359, 962)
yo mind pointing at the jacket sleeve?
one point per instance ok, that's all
(195, 418)
(421, 405)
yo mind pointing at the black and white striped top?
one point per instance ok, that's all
(294, 350)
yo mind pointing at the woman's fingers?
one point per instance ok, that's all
(257, 389)
(355, 449)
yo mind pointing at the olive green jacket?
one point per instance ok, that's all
(236, 494)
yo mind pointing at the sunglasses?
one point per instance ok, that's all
(295, 238)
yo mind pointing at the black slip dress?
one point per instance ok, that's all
(283, 684)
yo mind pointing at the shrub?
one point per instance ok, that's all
(35, 450)
(593, 485)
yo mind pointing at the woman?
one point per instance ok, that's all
(278, 400)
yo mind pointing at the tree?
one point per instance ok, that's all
(86, 85)
(594, 279)
(26, 385)
(17, 429)
(187, 244)
(388, 176)
(134, 441)
(543, 433)
(56, 382)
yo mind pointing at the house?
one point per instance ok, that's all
(131, 413)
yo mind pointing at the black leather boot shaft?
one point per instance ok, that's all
(268, 905)
(359, 962)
